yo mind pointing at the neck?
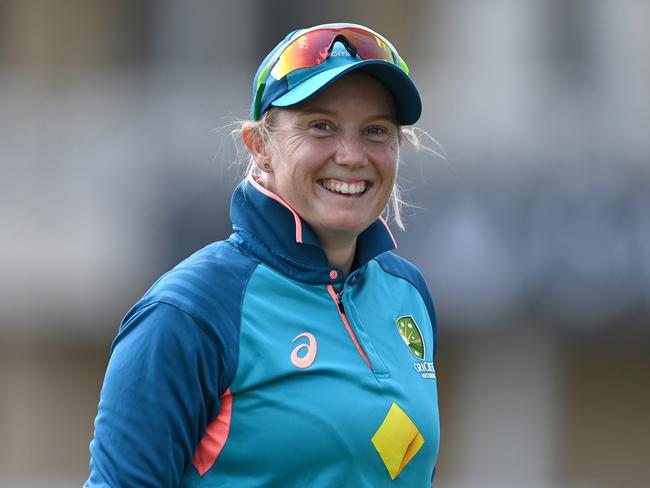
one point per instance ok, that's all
(340, 252)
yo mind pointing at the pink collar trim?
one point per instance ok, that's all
(383, 221)
(272, 195)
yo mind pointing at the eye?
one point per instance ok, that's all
(375, 131)
(321, 126)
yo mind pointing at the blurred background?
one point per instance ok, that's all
(533, 232)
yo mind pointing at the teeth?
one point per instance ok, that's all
(345, 188)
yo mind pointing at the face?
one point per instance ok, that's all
(334, 157)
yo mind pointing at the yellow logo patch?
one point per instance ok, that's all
(397, 440)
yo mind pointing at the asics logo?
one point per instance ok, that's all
(308, 355)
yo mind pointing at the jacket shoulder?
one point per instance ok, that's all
(402, 268)
(208, 286)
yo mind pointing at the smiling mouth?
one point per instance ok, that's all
(344, 188)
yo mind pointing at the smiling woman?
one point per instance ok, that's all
(333, 159)
(300, 351)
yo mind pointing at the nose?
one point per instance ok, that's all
(351, 151)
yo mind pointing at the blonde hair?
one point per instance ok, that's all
(265, 128)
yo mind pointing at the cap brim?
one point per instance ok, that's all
(403, 90)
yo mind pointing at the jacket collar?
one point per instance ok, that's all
(273, 232)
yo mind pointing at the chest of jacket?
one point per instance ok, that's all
(316, 379)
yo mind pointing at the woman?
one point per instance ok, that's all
(300, 351)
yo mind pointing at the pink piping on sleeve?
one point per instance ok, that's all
(383, 221)
(332, 293)
(215, 436)
(272, 195)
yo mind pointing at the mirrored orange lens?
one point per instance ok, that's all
(369, 46)
(308, 50)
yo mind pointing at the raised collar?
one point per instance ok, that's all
(270, 229)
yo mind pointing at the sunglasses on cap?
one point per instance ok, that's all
(311, 47)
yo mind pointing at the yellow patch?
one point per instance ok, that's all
(397, 440)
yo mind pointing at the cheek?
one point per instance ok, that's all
(387, 162)
(293, 183)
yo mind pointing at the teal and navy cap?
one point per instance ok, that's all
(302, 84)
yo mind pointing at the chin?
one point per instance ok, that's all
(355, 227)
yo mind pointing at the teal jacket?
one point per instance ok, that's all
(254, 363)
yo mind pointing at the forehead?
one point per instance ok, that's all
(355, 93)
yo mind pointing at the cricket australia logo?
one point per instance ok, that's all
(412, 336)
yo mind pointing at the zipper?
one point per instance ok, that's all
(339, 300)
(337, 297)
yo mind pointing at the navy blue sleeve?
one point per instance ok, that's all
(160, 391)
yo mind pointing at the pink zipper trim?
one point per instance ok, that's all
(272, 195)
(215, 436)
(334, 296)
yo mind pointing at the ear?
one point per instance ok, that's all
(257, 146)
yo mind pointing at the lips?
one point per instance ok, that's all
(344, 187)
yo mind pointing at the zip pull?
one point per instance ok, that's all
(339, 300)
(337, 297)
